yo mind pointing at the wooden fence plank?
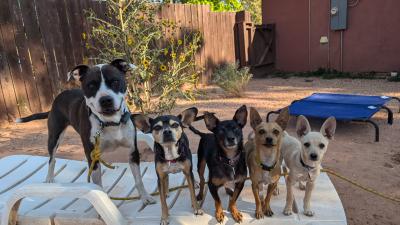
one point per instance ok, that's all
(8, 100)
(47, 30)
(15, 100)
(37, 56)
(24, 63)
(65, 30)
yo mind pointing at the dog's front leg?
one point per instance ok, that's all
(144, 196)
(219, 213)
(195, 205)
(96, 175)
(256, 193)
(288, 210)
(162, 186)
(237, 216)
(307, 199)
(135, 168)
(267, 208)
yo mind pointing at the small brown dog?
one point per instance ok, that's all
(263, 157)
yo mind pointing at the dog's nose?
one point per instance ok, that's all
(231, 139)
(106, 102)
(269, 140)
(167, 132)
(313, 156)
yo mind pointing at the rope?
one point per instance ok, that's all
(95, 155)
(370, 190)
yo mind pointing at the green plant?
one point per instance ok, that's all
(394, 78)
(165, 68)
(232, 79)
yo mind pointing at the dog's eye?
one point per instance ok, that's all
(92, 86)
(276, 132)
(157, 128)
(321, 146)
(115, 84)
(261, 131)
(175, 125)
(307, 144)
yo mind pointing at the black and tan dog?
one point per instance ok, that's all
(172, 152)
(263, 151)
(223, 153)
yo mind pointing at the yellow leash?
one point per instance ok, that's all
(370, 190)
(95, 155)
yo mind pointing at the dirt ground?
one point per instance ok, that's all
(353, 152)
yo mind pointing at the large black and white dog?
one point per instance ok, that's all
(98, 105)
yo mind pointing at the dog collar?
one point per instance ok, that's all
(305, 165)
(231, 162)
(267, 168)
(124, 119)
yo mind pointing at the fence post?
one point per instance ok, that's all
(243, 38)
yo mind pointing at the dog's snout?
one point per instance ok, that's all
(106, 102)
(269, 140)
(231, 139)
(167, 132)
(313, 156)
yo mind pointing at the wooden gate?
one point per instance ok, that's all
(262, 54)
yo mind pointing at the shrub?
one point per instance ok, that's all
(232, 79)
(165, 68)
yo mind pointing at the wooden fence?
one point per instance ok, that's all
(40, 40)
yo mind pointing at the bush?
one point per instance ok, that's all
(165, 69)
(232, 79)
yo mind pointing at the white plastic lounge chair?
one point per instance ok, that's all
(70, 200)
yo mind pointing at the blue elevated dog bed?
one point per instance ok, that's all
(343, 107)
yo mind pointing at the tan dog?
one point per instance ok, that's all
(263, 157)
(303, 158)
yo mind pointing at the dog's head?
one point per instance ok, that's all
(268, 136)
(228, 133)
(104, 88)
(314, 144)
(167, 130)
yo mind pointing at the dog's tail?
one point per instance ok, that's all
(36, 116)
(194, 130)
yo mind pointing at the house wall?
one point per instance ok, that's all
(371, 41)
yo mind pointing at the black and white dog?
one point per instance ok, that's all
(98, 106)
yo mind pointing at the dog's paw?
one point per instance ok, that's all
(237, 216)
(147, 200)
(268, 212)
(259, 214)
(50, 180)
(219, 216)
(198, 212)
(164, 221)
(287, 212)
(308, 213)
(196, 185)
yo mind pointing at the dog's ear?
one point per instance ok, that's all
(241, 116)
(329, 127)
(142, 122)
(303, 126)
(255, 118)
(188, 116)
(283, 118)
(121, 64)
(211, 121)
(78, 73)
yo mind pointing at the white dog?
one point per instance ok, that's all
(303, 158)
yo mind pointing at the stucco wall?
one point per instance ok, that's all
(370, 43)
